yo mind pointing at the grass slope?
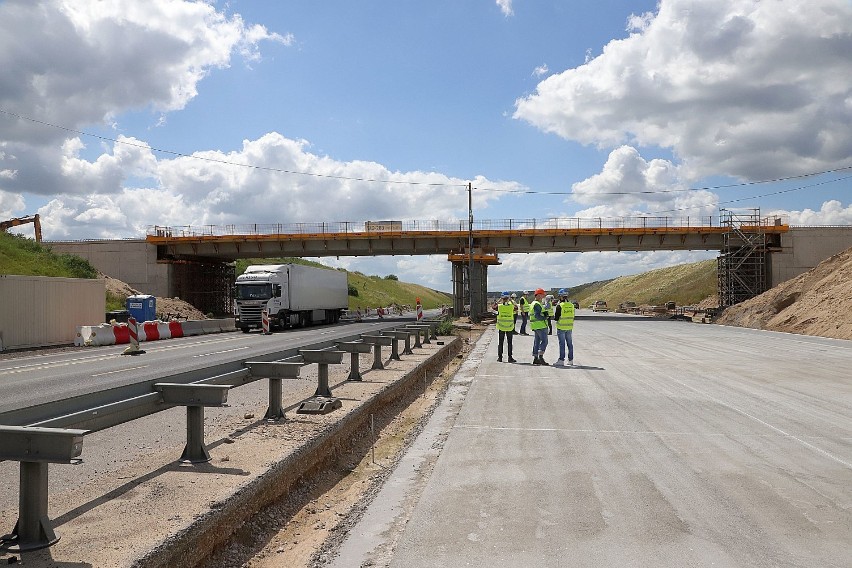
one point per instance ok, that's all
(25, 257)
(685, 284)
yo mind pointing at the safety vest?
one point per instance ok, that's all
(537, 323)
(525, 305)
(566, 316)
(506, 317)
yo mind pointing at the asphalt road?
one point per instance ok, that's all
(668, 444)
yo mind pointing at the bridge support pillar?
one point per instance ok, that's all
(470, 289)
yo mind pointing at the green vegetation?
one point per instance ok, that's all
(25, 257)
(368, 291)
(685, 284)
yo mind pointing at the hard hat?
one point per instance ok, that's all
(563, 291)
(526, 293)
(504, 295)
(513, 295)
(539, 291)
(549, 296)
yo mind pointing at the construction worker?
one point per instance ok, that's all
(505, 325)
(524, 305)
(538, 324)
(512, 297)
(565, 327)
(548, 311)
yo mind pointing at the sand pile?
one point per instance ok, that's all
(175, 306)
(818, 302)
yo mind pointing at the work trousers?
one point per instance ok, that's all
(508, 335)
(539, 342)
(524, 317)
(565, 338)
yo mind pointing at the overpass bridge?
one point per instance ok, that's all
(192, 262)
(473, 247)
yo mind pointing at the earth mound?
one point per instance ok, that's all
(818, 302)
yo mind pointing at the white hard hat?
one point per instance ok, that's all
(526, 293)
(513, 295)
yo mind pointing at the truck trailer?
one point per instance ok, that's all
(294, 295)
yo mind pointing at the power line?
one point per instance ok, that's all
(423, 183)
(228, 162)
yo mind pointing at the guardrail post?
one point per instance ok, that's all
(377, 341)
(394, 345)
(275, 371)
(35, 448)
(195, 397)
(416, 331)
(354, 348)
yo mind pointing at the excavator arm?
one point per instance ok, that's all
(34, 219)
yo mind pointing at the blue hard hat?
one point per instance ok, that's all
(504, 295)
(562, 291)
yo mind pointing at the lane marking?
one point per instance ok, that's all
(118, 371)
(817, 449)
(218, 352)
(24, 369)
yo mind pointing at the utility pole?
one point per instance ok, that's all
(474, 312)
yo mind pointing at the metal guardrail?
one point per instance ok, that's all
(371, 228)
(53, 432)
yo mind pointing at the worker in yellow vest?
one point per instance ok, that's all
(505, 325)
(524, 306)
(565, 327)
(538, 324)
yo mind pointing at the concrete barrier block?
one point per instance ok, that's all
(210, 326)
(192, 328)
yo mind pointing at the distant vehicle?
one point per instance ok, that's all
(599, 306)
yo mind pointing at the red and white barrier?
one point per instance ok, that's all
(419, 310)
(122, 333)
(264, 321)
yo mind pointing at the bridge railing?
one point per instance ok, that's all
(434, 225)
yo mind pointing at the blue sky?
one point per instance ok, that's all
(621, 108)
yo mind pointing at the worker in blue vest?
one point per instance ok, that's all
(564, 317)
(505, 325)
(538, 325)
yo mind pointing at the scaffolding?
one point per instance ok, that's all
(742, 262)
(209, 286)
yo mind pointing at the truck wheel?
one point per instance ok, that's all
(245, 329)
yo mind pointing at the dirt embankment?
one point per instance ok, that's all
(174, 306)
(818, 302)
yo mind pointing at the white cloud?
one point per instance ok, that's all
(629, 185)
(75, 64)
(540, 71)
(11, 204)
(213, 189)
(831, 213)
(750, 89)
(506, 7)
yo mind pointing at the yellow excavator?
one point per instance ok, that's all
(4, 225)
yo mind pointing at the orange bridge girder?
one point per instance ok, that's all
(225, 243)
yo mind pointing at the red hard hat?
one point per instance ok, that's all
(539, 291)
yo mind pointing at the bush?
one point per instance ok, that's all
(392, 277)
(445, 327)
(353, 291)
(78, 266)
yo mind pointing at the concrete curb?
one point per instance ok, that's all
(218, 525)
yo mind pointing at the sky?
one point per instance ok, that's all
(117, 115)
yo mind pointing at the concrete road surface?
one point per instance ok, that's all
(668, 444)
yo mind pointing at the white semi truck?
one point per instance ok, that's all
(295, 295)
